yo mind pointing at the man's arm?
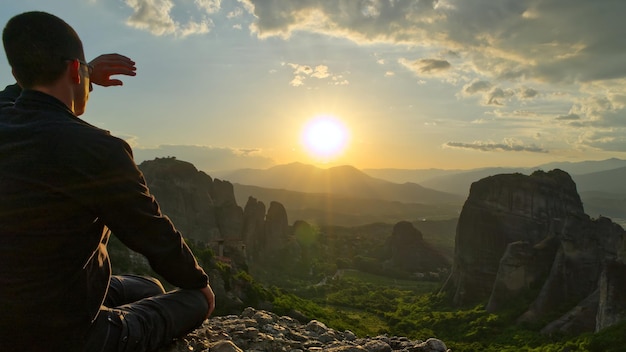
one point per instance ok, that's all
(104, 66)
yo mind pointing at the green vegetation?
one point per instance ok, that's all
(368, 304)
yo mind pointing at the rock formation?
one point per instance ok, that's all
(253, 225)
(612, 292)
(186, 196)
(409, 251)
(522, 267)
(258, 330)
(276, 233)
(517, 232)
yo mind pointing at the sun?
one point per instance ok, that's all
(325, 137)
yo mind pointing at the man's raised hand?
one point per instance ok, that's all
(107, 65)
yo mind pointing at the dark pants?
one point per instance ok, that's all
(138, 315)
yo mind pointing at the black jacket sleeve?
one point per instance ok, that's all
(9, 94)
(125, 204)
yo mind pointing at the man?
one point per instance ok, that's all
(63, 185)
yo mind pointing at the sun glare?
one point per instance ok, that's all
(325, 137)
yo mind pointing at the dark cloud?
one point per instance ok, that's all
(477, 86)
(528, 93)
(488, 147)
(432, 65)
(508, 39)
(207, 158)
(498, 95)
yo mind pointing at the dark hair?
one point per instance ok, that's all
(38, 45)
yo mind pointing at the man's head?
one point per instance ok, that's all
(38, 46)
(42, 49)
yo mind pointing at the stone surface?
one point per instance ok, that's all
(523, 267)
(612, 300)
(257, 331)
(513, 228)
(585, 247)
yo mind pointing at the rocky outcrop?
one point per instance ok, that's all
(518, 232)
(186, 196)
(522, 268)
(499, 210)
(409, 251)
(586, 245)
(258, 330)
(612, 295)
(253, 225)
(276, 232)
(205, 209)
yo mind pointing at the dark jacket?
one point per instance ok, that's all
(63, 185)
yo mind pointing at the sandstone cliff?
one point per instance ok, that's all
(521, 234)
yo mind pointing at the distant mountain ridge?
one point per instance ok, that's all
(599, 183)
(425, 176)
(342, 180)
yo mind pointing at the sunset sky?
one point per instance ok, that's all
(452, 84)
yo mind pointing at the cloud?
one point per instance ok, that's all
(155, 16)
(498, 95)
(426, 66)
(235, 13)
(209, 6)
(508, 39)
(360, 21)
(568, 117)
(207, 158)
(303, 72)
(527, 93)
(476, 86)
(490, 147)
(606, 140)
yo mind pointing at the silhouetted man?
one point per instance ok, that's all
(64, 187)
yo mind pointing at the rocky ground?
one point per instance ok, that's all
(258, 330)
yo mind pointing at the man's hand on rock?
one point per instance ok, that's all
(210, 298)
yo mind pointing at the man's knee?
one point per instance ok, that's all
(124, 289)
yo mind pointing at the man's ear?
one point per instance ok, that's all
(74, 68)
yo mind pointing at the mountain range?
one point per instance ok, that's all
(345, 181)
(600, 184)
